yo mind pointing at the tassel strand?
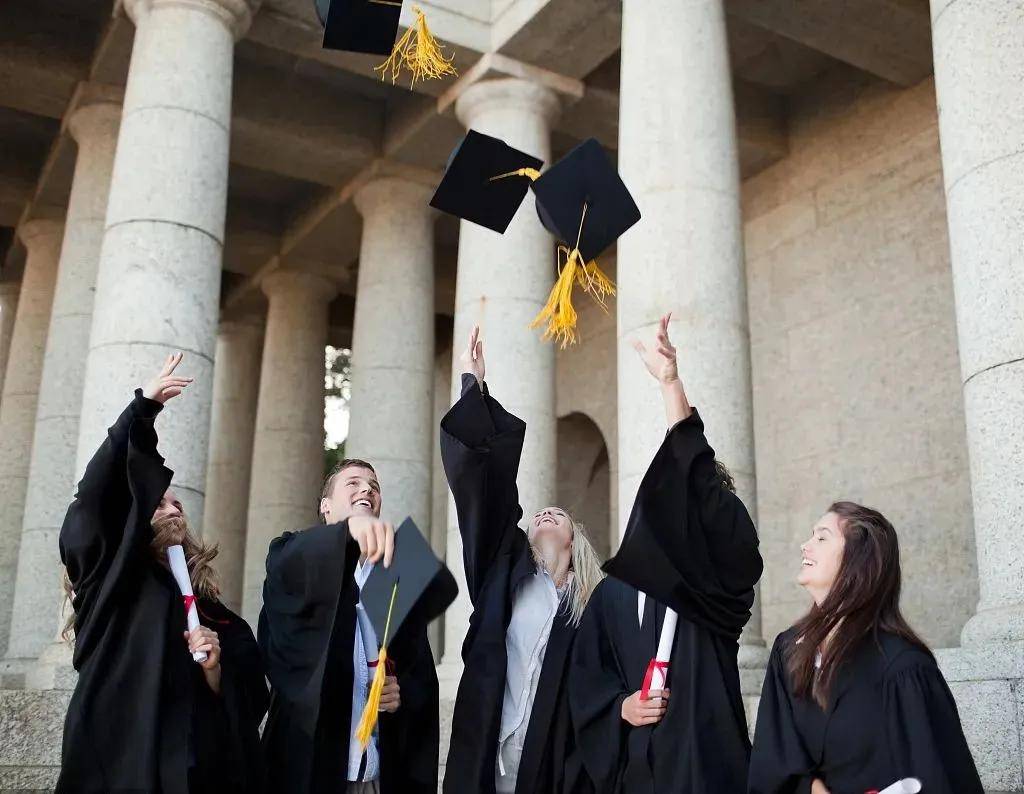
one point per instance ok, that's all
(368, 719)
(419, 52)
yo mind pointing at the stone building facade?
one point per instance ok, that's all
(833, 210)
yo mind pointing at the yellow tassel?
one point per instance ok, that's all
(595, 281)
(532, 173)
(558, 312)
(418, 51)
(368, 719)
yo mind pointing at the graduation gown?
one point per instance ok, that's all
(480, 448)
(890, 716)
(690, 545)
(306, 633)
(142, 718)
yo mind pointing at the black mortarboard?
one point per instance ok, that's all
(368, 26)
(482, 183)
(585, 177)
(425, 587)
(371, 26)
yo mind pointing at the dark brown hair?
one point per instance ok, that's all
(863, 600)
(337, 469)
(166, 532)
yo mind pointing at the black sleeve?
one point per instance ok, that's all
(779, 761)
(689, 542)
(305, 573)
(480, 448)
(596, 691)
(410, 738)
(104, 540)
(922, 728)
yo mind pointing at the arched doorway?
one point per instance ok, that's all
(584, 478)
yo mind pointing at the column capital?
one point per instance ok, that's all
(392, 192)
(33, 231)
(507, 92)
(308, 286)
(236, 14)
(94, 121)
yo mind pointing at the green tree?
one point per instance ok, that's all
(337, 389)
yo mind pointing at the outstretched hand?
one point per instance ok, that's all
(472, 358)
(661, 359)
(165, 384)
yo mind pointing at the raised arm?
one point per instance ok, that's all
(480, 448)
(689, 542)
(109, 495)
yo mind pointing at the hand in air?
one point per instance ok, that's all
(390, 696)
(639, 712)
(165, 384)
(661, 359)
(376, 538)
(817, 787)
(472, 358)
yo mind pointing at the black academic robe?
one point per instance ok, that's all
(690, 545)
(142, 718)
(480, 448)
(306, 633)
(890, 716)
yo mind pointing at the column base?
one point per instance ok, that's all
(987, 681)
(999, 625)
(30, 742)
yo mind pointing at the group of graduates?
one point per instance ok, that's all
(565, 690)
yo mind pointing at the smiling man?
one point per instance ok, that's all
(320, 656)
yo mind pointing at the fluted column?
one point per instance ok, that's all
(42, 240)
(686, 256)
(979, 82)
(502, 282)
(236, 381)
(158, 286)
(8, 308)
(288, 445)
(51, 480)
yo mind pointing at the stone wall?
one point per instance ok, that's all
(853, 339)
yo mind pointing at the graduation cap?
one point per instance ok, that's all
(415, 589)
(485, 181)
(370, 26)
(583, 202)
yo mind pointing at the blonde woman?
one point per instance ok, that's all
(511, 732)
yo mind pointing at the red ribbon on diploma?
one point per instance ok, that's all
(653, 665)
(189, 601)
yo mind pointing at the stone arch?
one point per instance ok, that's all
(584, 478)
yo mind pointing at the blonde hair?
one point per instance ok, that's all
(166, 532)
(585, 570)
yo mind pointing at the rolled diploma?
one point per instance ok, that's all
(176, 559)
(665, 643)
(909, 785)
(367, 635)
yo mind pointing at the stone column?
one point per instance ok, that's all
(686, 255)
(158, 287)
(236, 382)
(8, 308)
(51, 482)
(979, 80)
(21, 393)
(391, 408)
(502, 282)
(288, 445)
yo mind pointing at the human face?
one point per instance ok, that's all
(354, 492)
(169, 522)
(821, 557)
(551, 527)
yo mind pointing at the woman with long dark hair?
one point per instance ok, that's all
(853, 700)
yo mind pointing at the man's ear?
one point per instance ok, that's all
(325, 505)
